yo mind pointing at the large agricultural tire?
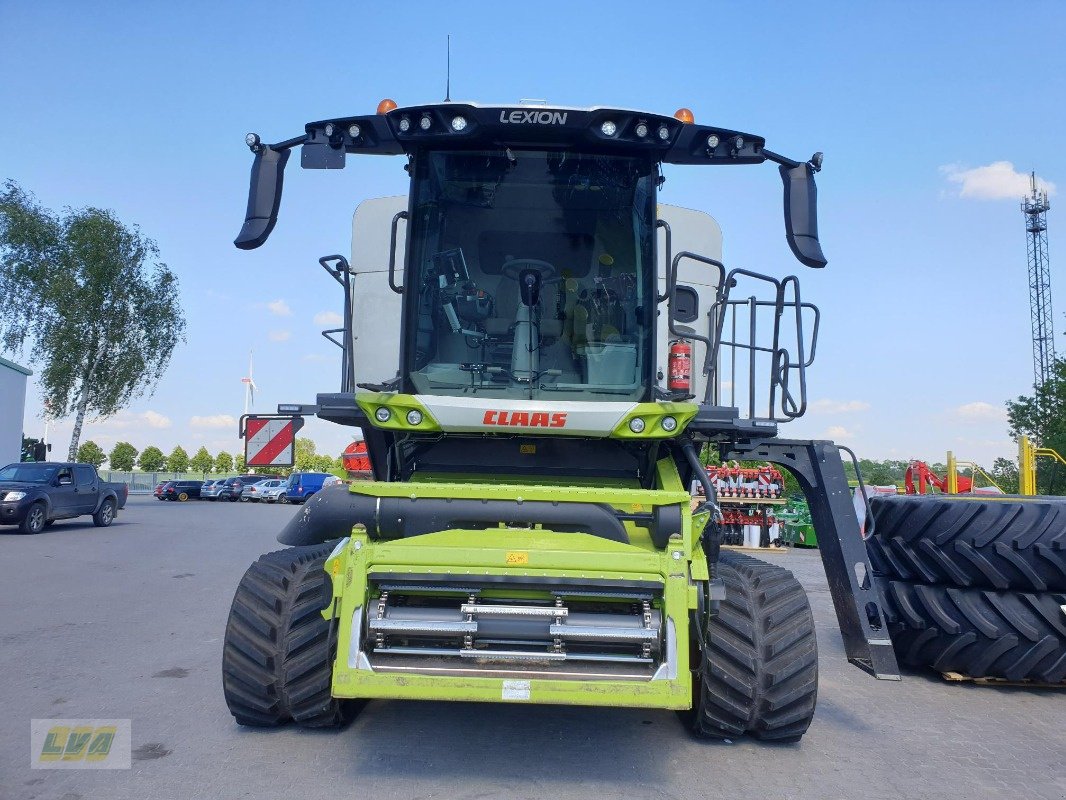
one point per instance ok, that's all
(277, 656)
(977, 632)
(995, 542)
(758, 673)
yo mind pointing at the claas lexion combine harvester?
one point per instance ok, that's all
(529, 535)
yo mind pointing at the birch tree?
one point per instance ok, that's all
(88, 297)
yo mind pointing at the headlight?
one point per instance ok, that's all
(383, 414)
(642, 129)
(669, 424)
(458, 124)
(608, 128)
(354, 131)
(11, 496)
(636, 425)
(414, 417)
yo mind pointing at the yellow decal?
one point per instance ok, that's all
(527, 449)
(518, 558)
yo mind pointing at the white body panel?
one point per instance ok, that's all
(376, 308)
(561, 417)
(13, 402)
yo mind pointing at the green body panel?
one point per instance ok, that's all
(533, 552)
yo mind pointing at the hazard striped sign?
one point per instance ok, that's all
(270, 441)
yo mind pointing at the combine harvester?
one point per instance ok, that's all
(528, 535)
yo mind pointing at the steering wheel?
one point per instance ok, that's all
(516, 265)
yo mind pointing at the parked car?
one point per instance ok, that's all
(181, 490)
(232, 488)
(264, 490)
(302, 485)
(211, 488)
(158, 491)
(34, 495)
(274, 494)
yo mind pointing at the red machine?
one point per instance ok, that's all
(927, 478)
(356, 461)
(736, 481)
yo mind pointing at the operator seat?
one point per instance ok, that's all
(505, 309)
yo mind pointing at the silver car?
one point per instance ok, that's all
(267, 491)
(210, 489)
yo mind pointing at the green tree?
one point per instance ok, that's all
(152, 459)
(238, 463)
(223, 462)
(1005, 473)
(1042, 417)
(178, 460)
(123, 456)
(304, 460)
(322, 463)
(91, 453)
(202, 462)
(99, 312)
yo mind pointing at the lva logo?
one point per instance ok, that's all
(525, 419)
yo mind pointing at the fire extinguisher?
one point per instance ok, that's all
(679, 367)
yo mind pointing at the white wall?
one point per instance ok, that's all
(12, 407)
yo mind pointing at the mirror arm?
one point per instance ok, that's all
(777, 158)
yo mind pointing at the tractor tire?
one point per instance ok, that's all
(994, 543)
(34, 522)
(277, 657)
(758, 673)
(105, 514)
(979, 633)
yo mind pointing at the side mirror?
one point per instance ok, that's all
(801, 212)
(264, 197)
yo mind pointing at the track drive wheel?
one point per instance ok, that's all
(277, 656)
(758, 671)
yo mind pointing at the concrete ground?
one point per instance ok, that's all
(127, 622)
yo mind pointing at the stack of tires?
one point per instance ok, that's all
(974, 585)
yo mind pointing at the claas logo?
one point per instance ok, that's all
(78, 744)
(525, 419)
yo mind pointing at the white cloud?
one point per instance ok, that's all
(827, 406)
(980, 411)
(156, 420)
(280, 336)
(214, 421)
(127, 419)
(836, 432)
(996, 181)
(328, 318)
(279, 307)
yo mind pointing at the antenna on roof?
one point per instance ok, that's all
(448, 79)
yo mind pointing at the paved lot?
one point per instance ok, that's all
(127, 622)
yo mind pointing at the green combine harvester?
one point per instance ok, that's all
(535, 371)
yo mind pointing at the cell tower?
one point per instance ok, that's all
(1035, 208)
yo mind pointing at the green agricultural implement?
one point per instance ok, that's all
(535, 364)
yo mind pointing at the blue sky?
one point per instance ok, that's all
(143, 107)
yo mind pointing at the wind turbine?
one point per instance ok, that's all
(249, 387)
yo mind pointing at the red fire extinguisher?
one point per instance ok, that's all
(679, 366)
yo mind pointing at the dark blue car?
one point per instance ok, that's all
(302, 485)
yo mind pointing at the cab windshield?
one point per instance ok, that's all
(27, 473)
(533, 275)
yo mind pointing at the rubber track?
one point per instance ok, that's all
(276, 659)
(995, 543)
(759, 674)
(977, 632)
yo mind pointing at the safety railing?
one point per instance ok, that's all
(759, 343)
